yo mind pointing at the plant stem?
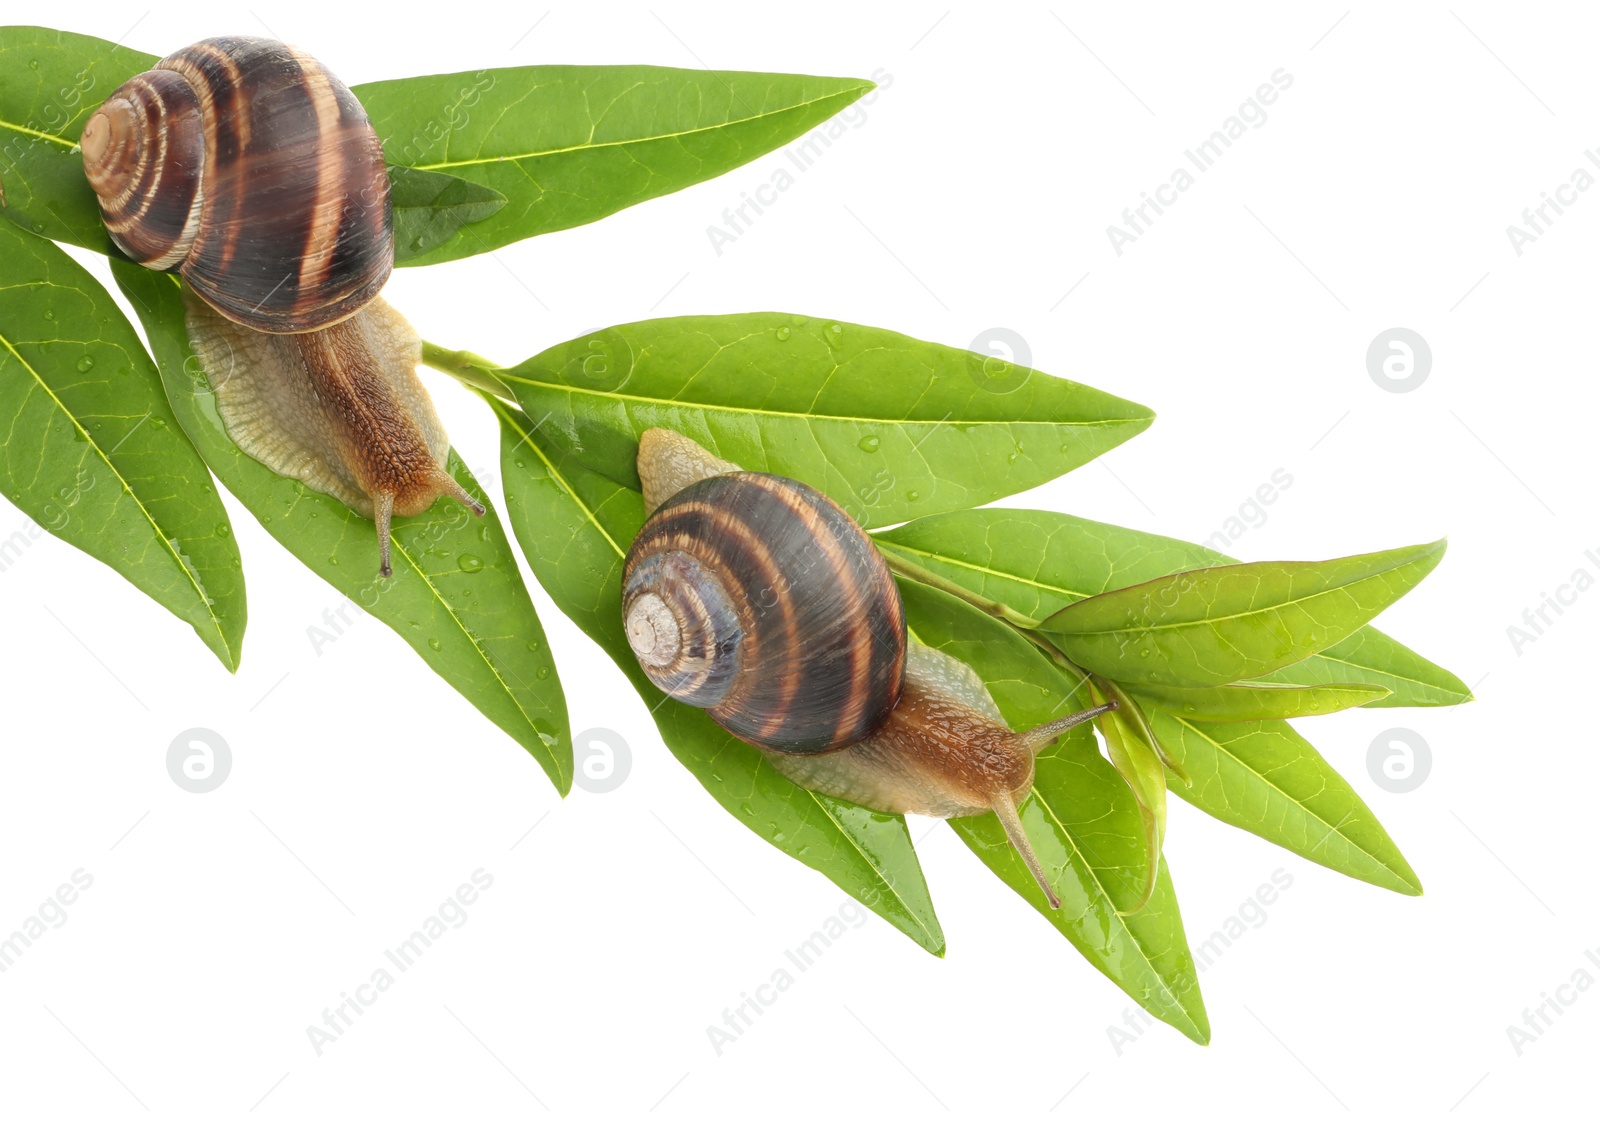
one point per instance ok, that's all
(915, 572)
(1019, 621)
(468, 368)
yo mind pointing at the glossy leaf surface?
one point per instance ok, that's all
(1082, 820)
(889, 426)
(1207, 627)
(566, 145)
(1265, 778)
(456, 597)
(575, 527)
(92, 451)
(1038, 562)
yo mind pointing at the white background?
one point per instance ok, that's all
(976, 194)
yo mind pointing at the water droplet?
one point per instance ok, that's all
(868, 444)
(782, 334)
(1144, 653)
(160, 423)
(835, 335)
(223, 530)
(49, 315)
(913, 495)
(533, 645)
(1189, 707)
(469, 563)
(33, 64)
(436, 645)
(85, 363)
(542, 673)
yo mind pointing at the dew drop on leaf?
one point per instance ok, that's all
(868, 444)
(835, 334)
(913, 496)
(542, 673)
(223, 530)
(435, 644)
(85, 363)
(782, 334)
(469, 563)
(33, 64)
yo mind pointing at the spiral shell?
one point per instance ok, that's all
(756, 598)
(252, 171)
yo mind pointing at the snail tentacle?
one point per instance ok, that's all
(253, 172)
(759, 600)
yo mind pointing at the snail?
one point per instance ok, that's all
(251, 171)
(758, 599)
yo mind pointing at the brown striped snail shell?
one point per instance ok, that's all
(246, 167)
(759, 600)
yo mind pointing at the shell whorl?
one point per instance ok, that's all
(758, 599)
(254, 172)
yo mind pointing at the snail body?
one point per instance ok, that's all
(247, 168)
(758, 599)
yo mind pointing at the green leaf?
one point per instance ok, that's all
(50, 81)
(92, 451)
(575, 527)
(570, 144)
(890, 427)
(1258, 701)
(1038, 562)
(1264, 777)
(1208, 627)
(1373, 659)
(430, 207)
(1135, 753)
(1082, 819)
(456, 596)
